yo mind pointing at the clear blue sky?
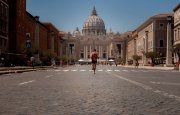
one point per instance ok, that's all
(119, 15)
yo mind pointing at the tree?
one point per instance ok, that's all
(136, 58)
(152, 56)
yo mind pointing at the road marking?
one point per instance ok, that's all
(133, 70)
(109, 70)
(23, 83)
(133, 82)
(100, 70)
(74, 70)
(57, 70)
(164, 83)
(82, 70)
(125, 70)
(65, 70)
(48, 76)
(117, 70)
(146, 87)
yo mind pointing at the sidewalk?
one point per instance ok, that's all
(150, 67)
(20, 69)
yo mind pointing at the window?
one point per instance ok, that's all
(119, 48)
(161, 26)
(1, 7)
(1, 42)
(1, 24)
(161, 43)
(82, 55)
(104, 55)
(175, 36)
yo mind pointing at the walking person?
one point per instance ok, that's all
(94, 57)
(32, 61)
(137, 64)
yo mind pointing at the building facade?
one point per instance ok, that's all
(151, 36)
(94, 36)
(17, 15)
(28, 36)
(4, 22)
(177, 33)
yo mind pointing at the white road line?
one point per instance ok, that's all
(146, 87)
(65, 70)
(57, 70)
(109, 70)
(82, 70)
(117, 70)
(48, 76)
(164, 83)
(74, 70)
(133, 82)
(133, 70)
(100, 70)
(23, 83)
(90, 70)
(125, 70)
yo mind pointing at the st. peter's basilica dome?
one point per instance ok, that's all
(94, 25)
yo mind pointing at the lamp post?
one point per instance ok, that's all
(169, 41)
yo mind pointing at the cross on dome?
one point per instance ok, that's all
(94, 13)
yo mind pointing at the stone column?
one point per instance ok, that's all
(122, 50)
(90, 50)
(84, 52)
(169, 42)
(134, 52)
(108, 52)
(145, 47)
(99, 51)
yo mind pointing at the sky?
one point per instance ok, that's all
(119, 15)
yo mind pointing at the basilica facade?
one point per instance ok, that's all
(94, 35)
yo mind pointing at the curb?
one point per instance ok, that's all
(16, 71)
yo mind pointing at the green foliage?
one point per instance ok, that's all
(136, 57)
(63, 58)
(152, 55)
(50, 55)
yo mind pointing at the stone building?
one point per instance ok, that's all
(35, 39)
(131, 47)
(4, 22)
(28, 36)
(17, 19)
(177, 33)
(151, 36)
(53, 39)
(95, 36)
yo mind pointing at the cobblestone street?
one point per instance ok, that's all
(77, 91)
